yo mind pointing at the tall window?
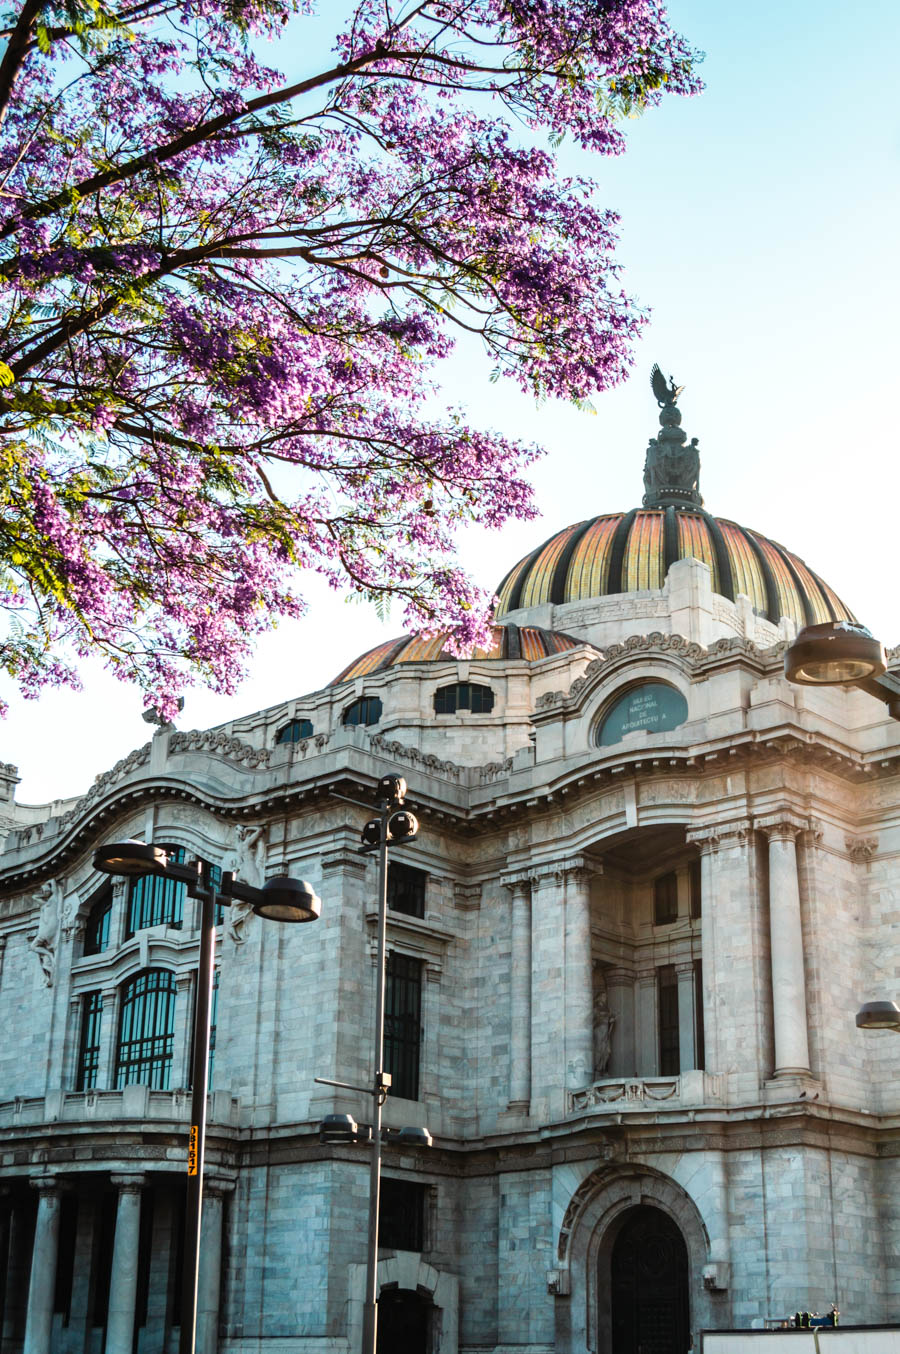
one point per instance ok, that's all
(665, 899)
(667, 1006)
(147, 1030)
(403, 1024)
(401, 1221)
(153, 901)
(367, 710)
(89, 1045)
(479, 700)
(406, 890)
(295, 732)
(96, 931)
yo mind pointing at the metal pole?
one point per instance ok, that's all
(370, 1310)
(187, 1340)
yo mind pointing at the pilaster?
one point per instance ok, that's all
(786, 932)
(519, 889)
(123, 1276)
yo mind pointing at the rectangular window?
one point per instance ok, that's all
(665, 899)
(696, 893)
(699, 1040)
(406, 890)
(667, 1008)
(401, 1220)
(89, 1047)
(153, 901)
(402, 1024)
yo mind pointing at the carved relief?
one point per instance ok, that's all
(861, 849)
(427, 760)
(218, 742)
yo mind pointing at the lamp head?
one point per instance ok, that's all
(285, 899)
(414, 1137)
(338, 1128)
(878, 1015)
(832, 654)
(402, 826)
(392, 789)
(129, 858)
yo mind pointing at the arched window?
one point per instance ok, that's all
(146, 1030)
(367, 710)
(294, 732)
(96, 931)
(463, 696)
(157, 902)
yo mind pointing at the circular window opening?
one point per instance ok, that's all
(652, 705)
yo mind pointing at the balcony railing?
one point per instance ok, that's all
(617, 1094)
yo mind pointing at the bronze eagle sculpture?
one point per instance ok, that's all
(665, 394)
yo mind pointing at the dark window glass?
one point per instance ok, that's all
(402, 1024)
(367, 710)
(147, 1030)
(401, 1222)
(294, 732)
(89, 1047)
(667, 1007)
(65, 1255)
(699, 1040)
(406, 890)
(96, 931)
(215, 879)
(696, 893)
(463, 696)
(665, 899)
(153, 901)
(104, 1235)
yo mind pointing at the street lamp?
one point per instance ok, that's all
(842, 653)
(879, 1015)
(281, 899)
(394, 824)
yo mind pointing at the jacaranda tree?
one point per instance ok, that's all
(225, 291)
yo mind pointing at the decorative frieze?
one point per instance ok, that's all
(221, 744)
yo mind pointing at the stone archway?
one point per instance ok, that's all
(596, 1216)
(407, 1272)
(647, 1285)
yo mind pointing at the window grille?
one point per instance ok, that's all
(402, 1024)
(696, 890)
(401, 1221)
(147, 1030)
(153, 901)
(89, 1045)
(406, 890)
(665, 899)
(667, 1007)
(367, 710)
(295, 732)
(96, 931)
(479, 700)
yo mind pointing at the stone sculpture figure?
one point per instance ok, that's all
(604, 1020)
(247, 860)
(43, 941)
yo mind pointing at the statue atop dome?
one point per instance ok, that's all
(671, 469)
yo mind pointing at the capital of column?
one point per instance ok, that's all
(711, 837)
(577, 868)
(645, 977)
(131, 1182)
(46, 1184)
(782, 826)
(619, 977)
(519, 885)
(218, 1185)
(684, 969)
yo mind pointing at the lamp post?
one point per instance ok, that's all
(280, 899)
(842, 653)
(393, 824)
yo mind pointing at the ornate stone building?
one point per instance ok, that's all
(652, 885)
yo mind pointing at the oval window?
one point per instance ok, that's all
(653, 706)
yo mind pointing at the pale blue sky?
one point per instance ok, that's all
(760, 224)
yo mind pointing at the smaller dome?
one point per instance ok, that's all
(530, 642)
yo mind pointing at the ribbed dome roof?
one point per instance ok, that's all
(509, 641)
(632, 551)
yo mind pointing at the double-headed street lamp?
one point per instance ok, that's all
(393, 825)
(279, 899)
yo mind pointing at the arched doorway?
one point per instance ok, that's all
(404, 1322)
(649, 1285)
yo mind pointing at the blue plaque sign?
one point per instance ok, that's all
(653, 706)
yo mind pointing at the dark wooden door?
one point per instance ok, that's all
(403, 1322)
(649, 1286)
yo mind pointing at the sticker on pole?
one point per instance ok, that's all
(192, 1150)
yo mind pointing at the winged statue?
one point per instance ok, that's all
(665, 394)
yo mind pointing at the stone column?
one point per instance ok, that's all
(647, 1033)
(519, 890)
(39, 1318)
(786, 931)
(210, 1276)
(123, 1278)
(109, 1035)
(687, 1042)
(579, 977)
(620, 986)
